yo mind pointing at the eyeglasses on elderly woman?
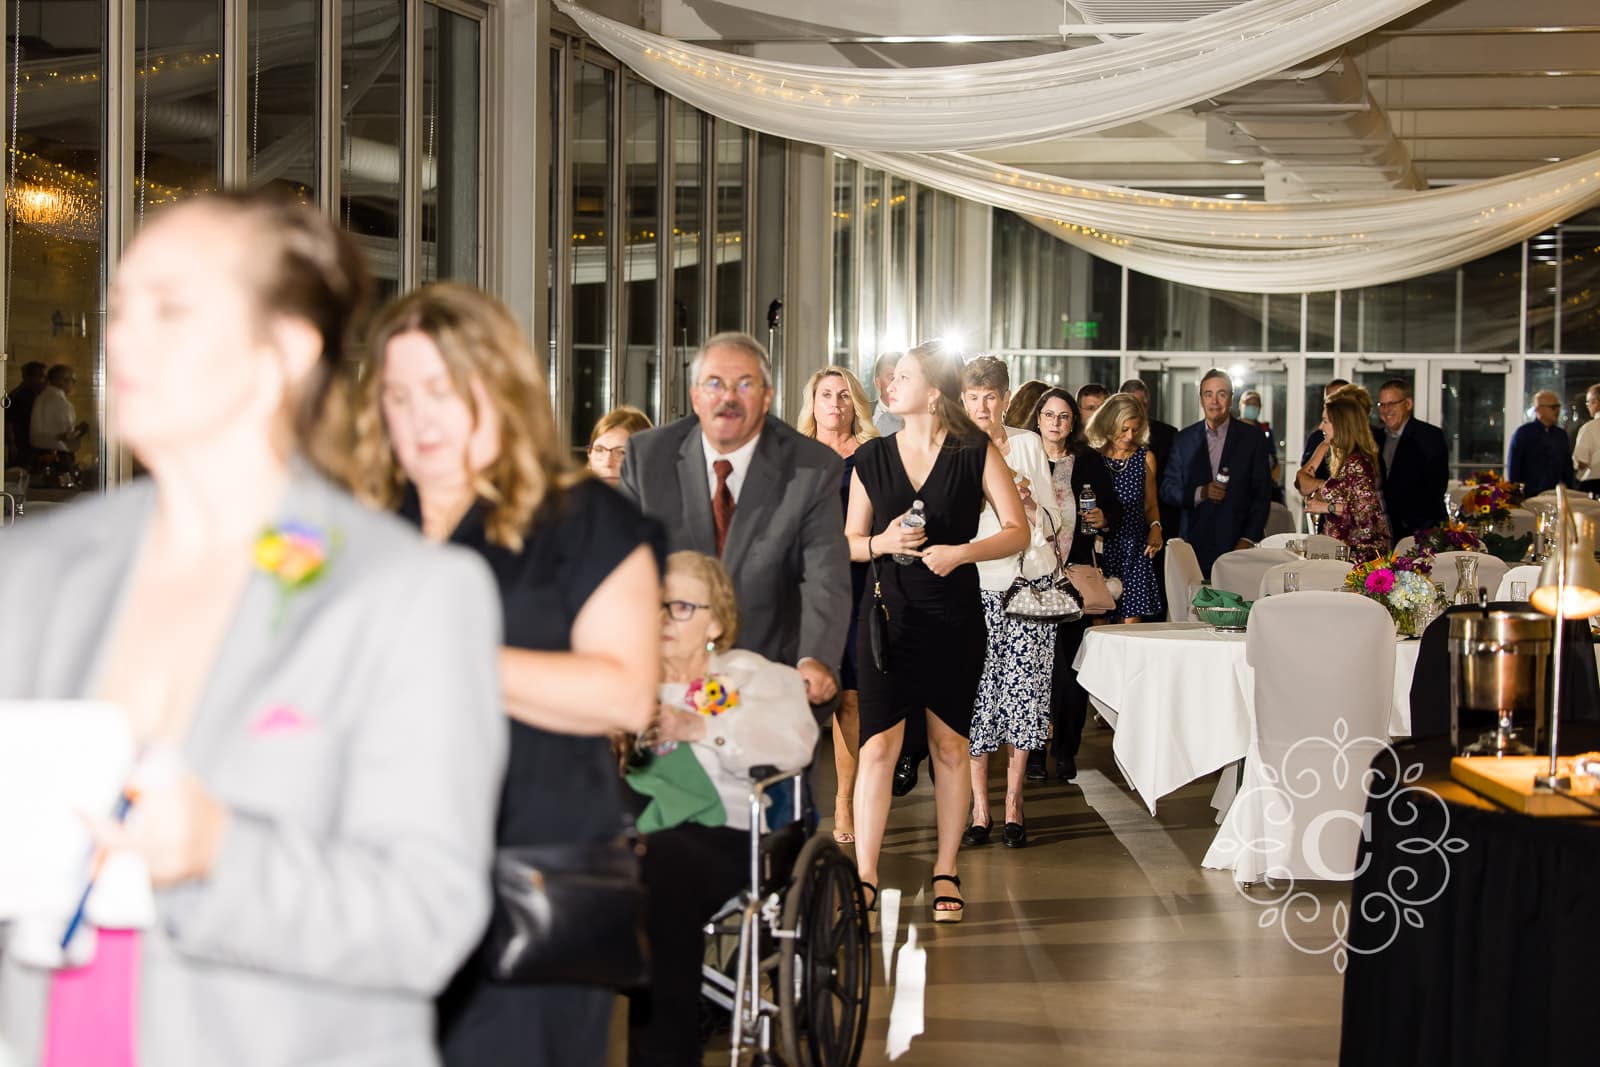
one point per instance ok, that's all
(683, 610)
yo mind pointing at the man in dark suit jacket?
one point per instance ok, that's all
(1162, 437)
(1415, 463)
(1219, 514)
(731, 482)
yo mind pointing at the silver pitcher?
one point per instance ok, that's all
(1499, 661)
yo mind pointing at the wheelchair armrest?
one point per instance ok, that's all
(766, 776)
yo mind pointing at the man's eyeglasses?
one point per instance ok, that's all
(715, 387)
(683, 610)
(1384, 404)
(602, 452)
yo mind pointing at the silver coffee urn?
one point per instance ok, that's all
(1499, 661)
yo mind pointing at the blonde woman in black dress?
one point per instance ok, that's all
(937, 639)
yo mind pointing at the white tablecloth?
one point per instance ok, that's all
(1180, 697)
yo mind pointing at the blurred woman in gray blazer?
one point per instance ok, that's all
(319, 682)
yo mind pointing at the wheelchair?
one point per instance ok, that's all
(789, 958)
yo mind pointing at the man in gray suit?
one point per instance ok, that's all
(733, 483)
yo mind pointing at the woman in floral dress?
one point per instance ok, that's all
(1349, 497)
(1120, 430)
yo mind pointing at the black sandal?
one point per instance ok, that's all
(948, 915)
(872, 905)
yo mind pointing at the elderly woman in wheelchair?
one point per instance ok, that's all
(724, 715)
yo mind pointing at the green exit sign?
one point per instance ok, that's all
(1079, 330)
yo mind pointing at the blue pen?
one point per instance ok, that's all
(124, 804)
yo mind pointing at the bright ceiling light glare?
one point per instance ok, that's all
(955, 340)
(1233, 196)
(1236, 161)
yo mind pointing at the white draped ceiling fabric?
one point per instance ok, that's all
(911, 122)
(1271, 248)
(998, 104)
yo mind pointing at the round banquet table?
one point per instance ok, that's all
(1180, 697)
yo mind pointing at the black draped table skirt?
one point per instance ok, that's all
(1488, 953)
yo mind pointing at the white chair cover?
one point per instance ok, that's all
(1279, 520)
(1527, 573)
(1523, 521)
(1240, 571)
(1405, 544)
(1180, 578)
(1321, 713)
(1490, 570)
(1316, 543)
(1278, 540)
(1324, 574)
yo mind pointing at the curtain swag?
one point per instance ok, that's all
(915, 123)
(997, 104)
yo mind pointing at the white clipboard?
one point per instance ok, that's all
(59, 761)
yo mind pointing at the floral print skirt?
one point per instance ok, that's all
(1013, 706)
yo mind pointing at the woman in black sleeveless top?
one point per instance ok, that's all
(937, 639)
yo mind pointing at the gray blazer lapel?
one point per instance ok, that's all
(267, 622)
(696, 490)
(90, 597)
(758, 497)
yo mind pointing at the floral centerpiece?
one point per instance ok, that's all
(1489, 497)
(1401, 581)
(1451, 537)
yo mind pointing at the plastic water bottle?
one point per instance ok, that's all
(915, 519)
(1087, 503)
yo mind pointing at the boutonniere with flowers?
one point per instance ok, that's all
(296, 555)
(710, 696)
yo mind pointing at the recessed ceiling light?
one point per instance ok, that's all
(1236, 161)
(1233, 196)
(1552, 159)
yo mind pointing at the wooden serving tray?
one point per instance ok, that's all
(1508, 780)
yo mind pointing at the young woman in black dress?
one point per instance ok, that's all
(456, 431)
(937, 640)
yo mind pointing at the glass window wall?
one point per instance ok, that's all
(730, 214)
(372, 76)
(281, 96)
(641, 383)
(593, 104)
(55, 234)
(451, 109)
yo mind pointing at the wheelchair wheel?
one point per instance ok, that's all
(825, 971)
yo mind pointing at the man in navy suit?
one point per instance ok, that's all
(1415, 462)
(1220, 477)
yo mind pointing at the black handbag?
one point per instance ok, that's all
(569, 914)
(878, 622)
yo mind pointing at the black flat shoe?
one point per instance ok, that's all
(1066, 769)
(1015, 835)
(905, 776)
(976, 834)
(1036, 768)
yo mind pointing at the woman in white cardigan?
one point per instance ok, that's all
(693, 867)
(1013, 705)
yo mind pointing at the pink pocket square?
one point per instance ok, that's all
(281, 719)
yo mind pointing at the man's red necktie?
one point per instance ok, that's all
(722, 502)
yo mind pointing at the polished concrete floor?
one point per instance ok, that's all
(1103, 941)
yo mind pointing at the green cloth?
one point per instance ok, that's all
(1210, 597)
(680, 791)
